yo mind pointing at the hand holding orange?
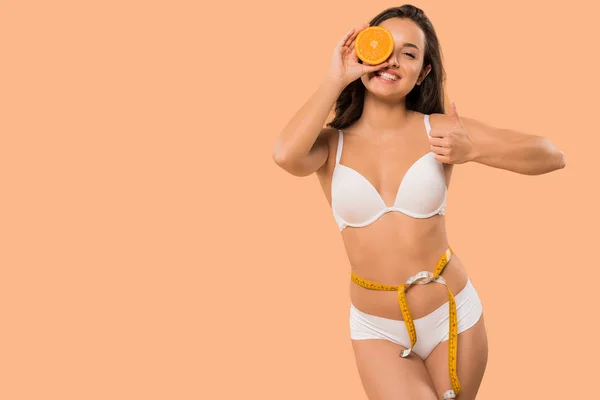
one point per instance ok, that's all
(375, 46)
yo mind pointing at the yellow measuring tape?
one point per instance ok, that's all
(422, 278)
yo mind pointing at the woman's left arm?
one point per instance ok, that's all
(462, 140)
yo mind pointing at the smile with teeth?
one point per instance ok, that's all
(387, 76)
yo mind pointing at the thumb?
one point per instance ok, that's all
(454, 115)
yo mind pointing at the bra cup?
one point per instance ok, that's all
(423, 189)
(353, 198)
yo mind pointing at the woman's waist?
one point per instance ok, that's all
(391, 257)
(371, 287)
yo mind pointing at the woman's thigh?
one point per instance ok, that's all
(387, 376)
(470, 364)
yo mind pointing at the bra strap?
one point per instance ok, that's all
(338, 154)
(427, 124)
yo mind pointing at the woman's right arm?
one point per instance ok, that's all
(302, 148)
(297, 149)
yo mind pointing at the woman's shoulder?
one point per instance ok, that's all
(432, 117)
(327, 134)
(440, 120)
(435, 120)
(327, 137)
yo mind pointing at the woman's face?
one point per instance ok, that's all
(406, 61)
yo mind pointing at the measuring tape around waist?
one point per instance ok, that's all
(423, 278)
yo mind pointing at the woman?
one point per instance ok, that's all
(384, 163)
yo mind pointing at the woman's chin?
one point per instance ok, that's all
(386, 91)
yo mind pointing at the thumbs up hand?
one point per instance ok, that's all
(451, 144)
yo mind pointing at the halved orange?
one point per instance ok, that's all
(374, 45)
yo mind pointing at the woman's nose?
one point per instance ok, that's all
(393, 62)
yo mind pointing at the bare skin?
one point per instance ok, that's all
(389, 251)
(382, 145)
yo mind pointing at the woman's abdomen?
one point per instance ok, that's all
(393, 249)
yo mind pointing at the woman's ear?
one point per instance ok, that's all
(424, 74)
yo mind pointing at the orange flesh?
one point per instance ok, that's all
(374, 45)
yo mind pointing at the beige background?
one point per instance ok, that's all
(151, 249)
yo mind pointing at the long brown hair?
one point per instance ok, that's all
(427, 98)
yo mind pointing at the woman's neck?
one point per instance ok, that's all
(381, 116)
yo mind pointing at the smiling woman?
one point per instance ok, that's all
(384, 163)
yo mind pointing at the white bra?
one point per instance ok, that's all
(355, 202)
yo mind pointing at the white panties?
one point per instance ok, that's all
(432, 329)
